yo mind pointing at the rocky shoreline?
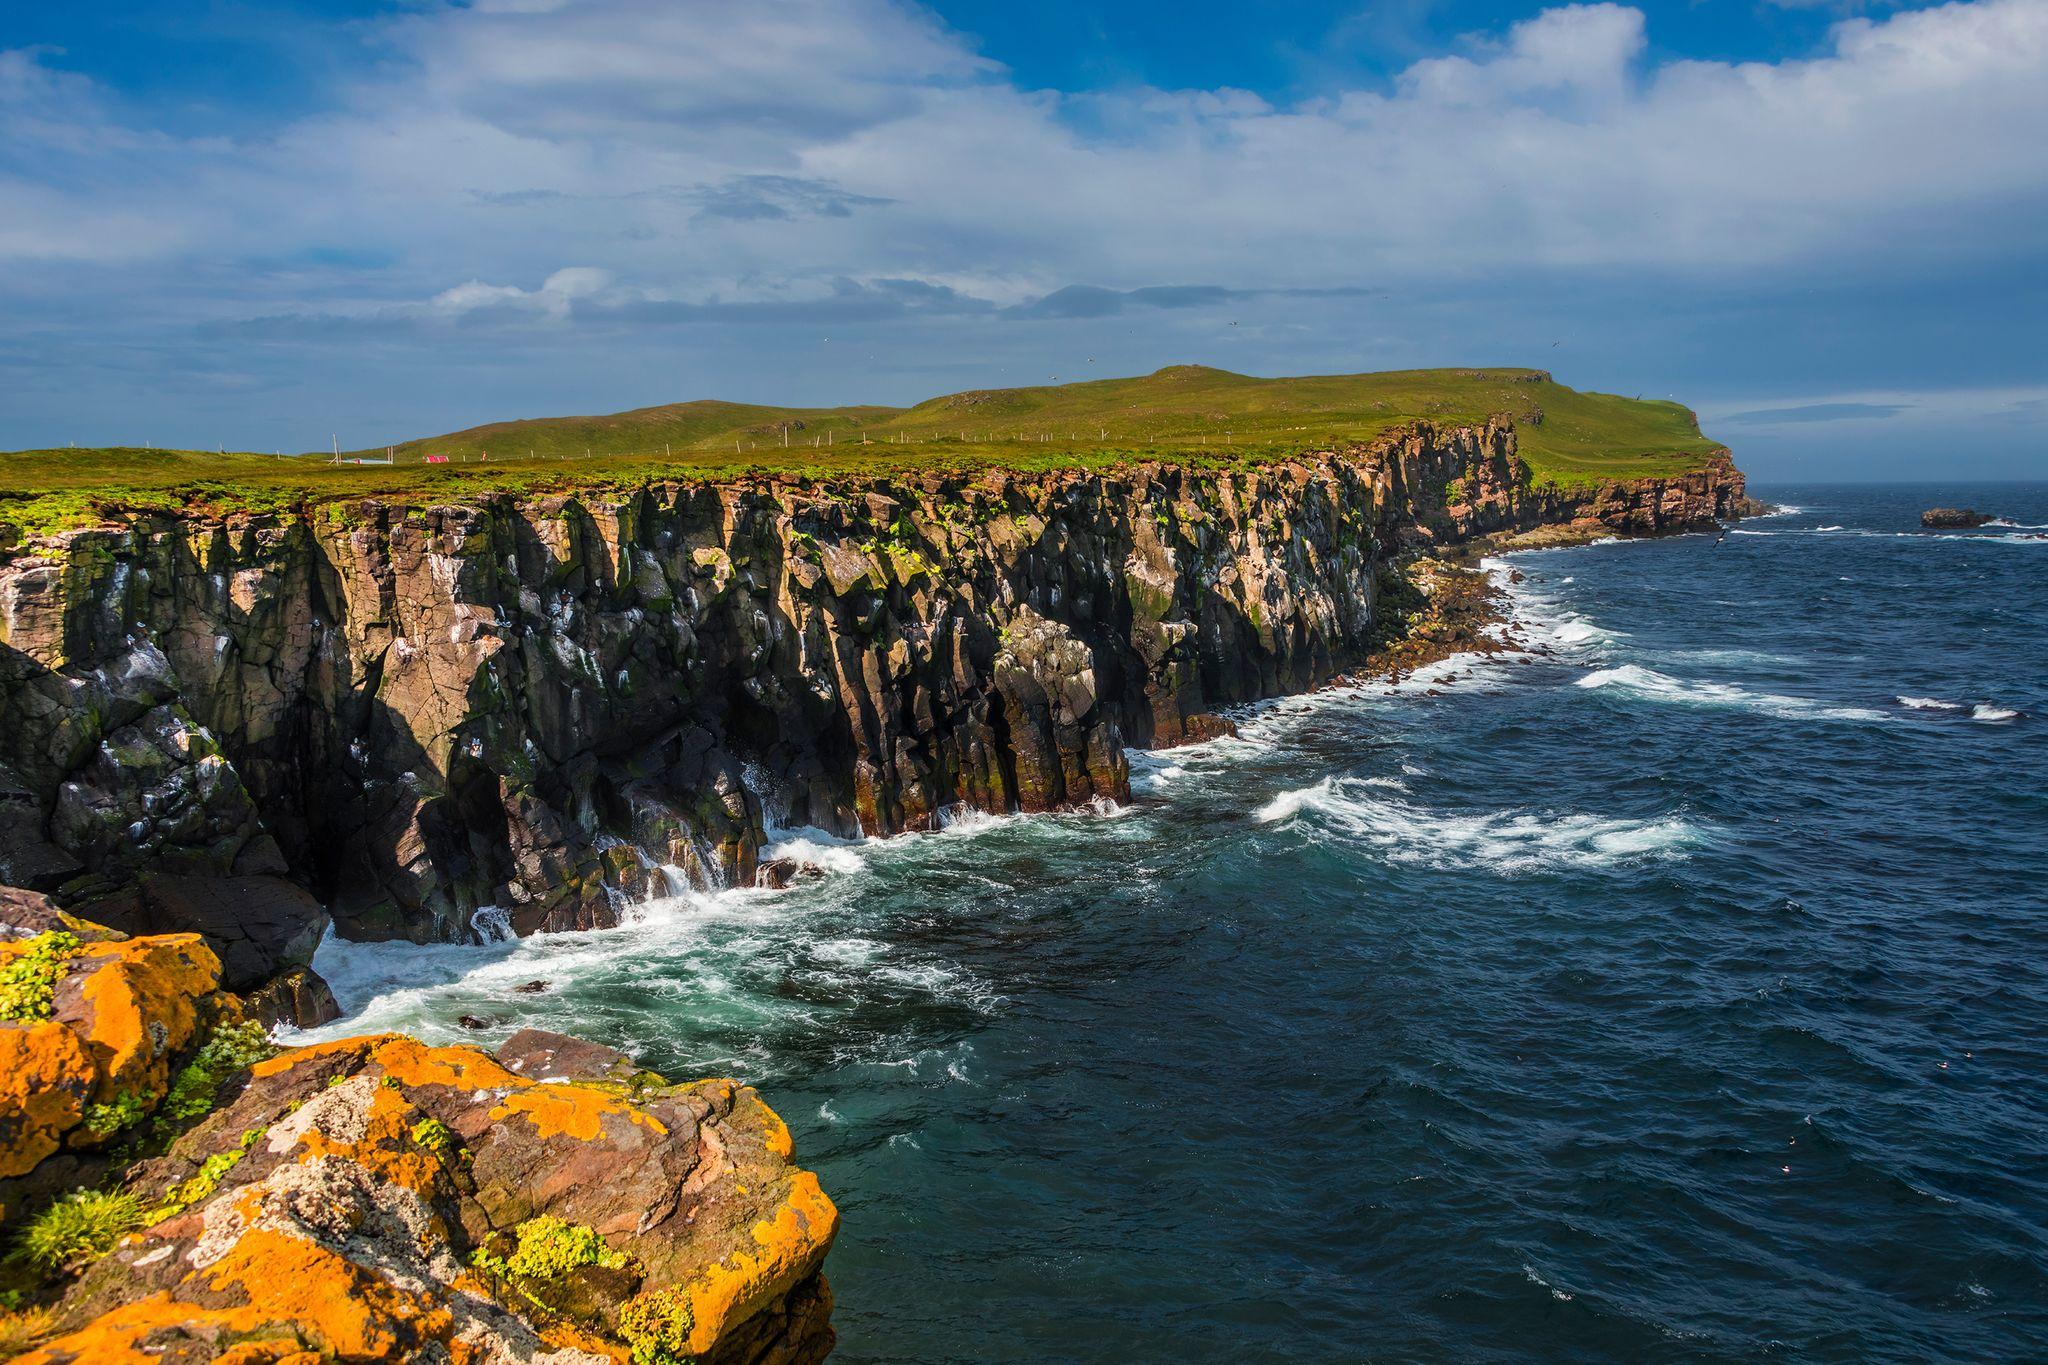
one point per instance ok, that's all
(435, 721)
(221, 739)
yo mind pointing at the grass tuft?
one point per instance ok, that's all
(231, 1048)
(80, 1228)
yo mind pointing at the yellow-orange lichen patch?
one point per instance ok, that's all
(407, 1061)
(346, 1309)
(386, 1149)
(46, 1076)
(562, 1335)
(789, 1245)
(117, 1337)
(553, 1108)
(269, 1351)
(304, 1304)
(141, 1004)
(576, 1111)
(775, 1134)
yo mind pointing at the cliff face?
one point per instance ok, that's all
(445, 718)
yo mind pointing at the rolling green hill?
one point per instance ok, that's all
(706, 424)
(1563, 432)
(1184, 412)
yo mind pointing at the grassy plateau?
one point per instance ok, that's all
(1184, 413)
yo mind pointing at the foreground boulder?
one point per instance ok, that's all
(1954, 518)
(376, 1198)
(91, 1026)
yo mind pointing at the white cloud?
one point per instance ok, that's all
(735, 150)
(1586, 49)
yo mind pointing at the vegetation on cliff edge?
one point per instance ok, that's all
(1186, 414)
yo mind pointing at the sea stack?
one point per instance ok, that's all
(1953, 518)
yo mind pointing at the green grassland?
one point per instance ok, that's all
(1185, 413)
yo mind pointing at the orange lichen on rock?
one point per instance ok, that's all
(138, 1004)
(121, 1011)
(776, 1138)
(576, 1111)
(788, 1246)
(344, 1309)
(567, 1109)
(118, 1337)
(361, 1201)
(307, 1302)
(46, 1079)
(386, 1148)
(406, 1060)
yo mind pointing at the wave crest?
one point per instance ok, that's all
(1650, 685)
(1507, 840)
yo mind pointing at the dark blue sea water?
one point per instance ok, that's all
(1680, 994)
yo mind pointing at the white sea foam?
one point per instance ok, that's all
(819, 848)
(1287, 803)
(1647, 683)
(1152, 773)
(1993, 715)
(1577, 632)
(1929, 704)
(1541, 617)
(1508, 840)
(1741, 657)
(1530, 1271)
(964, 821)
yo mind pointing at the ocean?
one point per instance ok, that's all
(1674, 991)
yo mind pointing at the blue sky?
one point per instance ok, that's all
(260, 225)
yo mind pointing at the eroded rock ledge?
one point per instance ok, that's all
(183, 1191)
(525, 714)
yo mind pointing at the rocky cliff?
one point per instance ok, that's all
(443, 720)
(176, 1188)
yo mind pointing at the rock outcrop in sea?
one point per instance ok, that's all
(1954, 518)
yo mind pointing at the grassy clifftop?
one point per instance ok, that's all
(1186, 413)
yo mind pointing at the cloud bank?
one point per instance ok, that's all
(509, 171)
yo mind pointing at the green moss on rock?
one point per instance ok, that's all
(28, 984)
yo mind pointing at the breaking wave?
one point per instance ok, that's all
(1507, 840)
(1647, 683)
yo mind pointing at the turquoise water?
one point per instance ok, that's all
(1678, 992)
